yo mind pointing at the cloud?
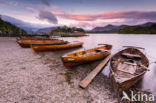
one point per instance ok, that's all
(45, 2)
(143, 15)
(86, 25)
(10, 4)
(30, 8)
(50, 17)
(3, 3)
(100, 23)
(54, 6)
(89, 21)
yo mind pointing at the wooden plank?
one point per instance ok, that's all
(133, 47)
(144, 67)
(85, 82)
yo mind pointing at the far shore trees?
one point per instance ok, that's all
(67, 31)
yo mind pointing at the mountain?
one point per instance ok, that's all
(8, 29)
(108, 28)
(114, 29)
(28, 27)
(19, 23)
(46, 30)
(147, 24)
(105, 28)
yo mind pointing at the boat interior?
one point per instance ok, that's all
(129, 63)
(102, 49)
(40, 41)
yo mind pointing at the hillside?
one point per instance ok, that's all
(124, 29)
(8, 29)
(107, 29)
(46, 30)
(139, 29)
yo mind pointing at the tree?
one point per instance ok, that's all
(66, 30)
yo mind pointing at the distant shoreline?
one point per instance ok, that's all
(122, 33)
(87, 34)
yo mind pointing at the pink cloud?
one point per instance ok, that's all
(10, 4)
(4, 4)
(58, 12)
(144, 15)
(84, 24)
(91, 24)
(79, 17)
(30, 8)
(54, 6)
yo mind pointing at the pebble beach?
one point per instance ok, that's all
(29, 77)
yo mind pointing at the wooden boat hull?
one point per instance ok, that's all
(79, 62)
(32, 37)
(23, 45)
(122, 80)
(72, 61)
(27, 43)
(39, 48)
(119, 87)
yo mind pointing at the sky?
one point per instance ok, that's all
(80, 13)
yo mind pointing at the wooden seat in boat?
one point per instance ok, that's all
(134, 64)
(101, 50)
(93, 53)
(128, 55)
(89, 54)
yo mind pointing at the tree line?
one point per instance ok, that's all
(139, 29)
(67, 30)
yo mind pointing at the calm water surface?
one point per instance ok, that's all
(118, 40)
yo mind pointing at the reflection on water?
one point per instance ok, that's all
(119, 40)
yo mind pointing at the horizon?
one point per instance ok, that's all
(86, 14)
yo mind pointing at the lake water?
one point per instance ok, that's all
(118, 40)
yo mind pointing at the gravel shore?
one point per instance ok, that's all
(29, 77)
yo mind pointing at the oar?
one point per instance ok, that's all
(85, 82)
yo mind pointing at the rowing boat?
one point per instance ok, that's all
(34, 37)
(127, 67)
(77, 58)
(26, 43)
(38, 47)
